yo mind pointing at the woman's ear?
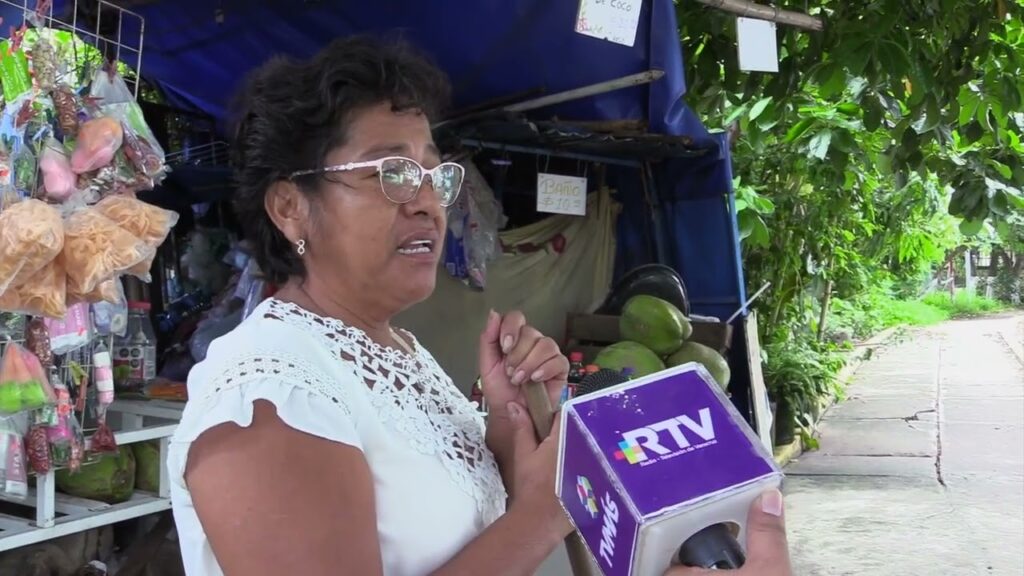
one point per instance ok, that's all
(289, 209)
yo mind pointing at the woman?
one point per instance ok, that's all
(318, 440)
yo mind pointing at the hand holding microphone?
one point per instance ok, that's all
(767, 546)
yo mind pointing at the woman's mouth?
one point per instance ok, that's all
(416, 247)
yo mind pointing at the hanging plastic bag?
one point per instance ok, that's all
(31, 236)
(454, 244)
(37, 448)
(485, 219)
(104, 292)
(98, 140)
(37, 341)
(42, 294)
(117, 101)
(71, 333)
(110, 318)
(13, 471)
(60, 434)
(96, 249)
(69, 108)
(44, 62)
(23, 384)
(149, 223)
(58, 178)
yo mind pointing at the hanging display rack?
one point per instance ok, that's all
(116, 32)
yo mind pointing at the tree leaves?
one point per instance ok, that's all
(818, 148)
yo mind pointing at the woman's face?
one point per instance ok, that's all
(362, 241)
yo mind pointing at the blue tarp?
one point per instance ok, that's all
(490, 49)
(199, 51)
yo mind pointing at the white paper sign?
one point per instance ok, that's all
(611, 20)
(557, 194)
(758, 45)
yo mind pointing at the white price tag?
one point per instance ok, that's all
(557, 194)
(612, 20)
(758, 45)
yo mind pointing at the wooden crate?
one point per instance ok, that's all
(589, 333)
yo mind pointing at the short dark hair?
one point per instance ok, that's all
(293, 113)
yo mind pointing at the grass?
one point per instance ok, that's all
(963, 304)
(879, 310)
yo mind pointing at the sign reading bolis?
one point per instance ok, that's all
(646, 464)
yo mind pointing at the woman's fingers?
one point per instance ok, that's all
(540, 362)
(511, 326)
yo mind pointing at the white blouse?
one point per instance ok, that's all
(436, 484)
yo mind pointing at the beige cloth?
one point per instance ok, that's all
(532, 276)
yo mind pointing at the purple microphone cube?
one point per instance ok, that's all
(646, 464)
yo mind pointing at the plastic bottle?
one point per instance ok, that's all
(135, 353)
(576, 374)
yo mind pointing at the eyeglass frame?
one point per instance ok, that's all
(378, 164)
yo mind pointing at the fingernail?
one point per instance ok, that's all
(506, 343)
(509, 371)
(491, 315)
(513, 410)
(537, 376)
(518, 378)
(771, 502)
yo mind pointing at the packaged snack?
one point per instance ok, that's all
(43, 294)
(13, 474)
(38, 449)
(72, 332)
(58, 179)
(96, 249)
(61, 434)
(110, 317)
(14, 74)
(23, 384)
(37, 340)
(31, 236)
(105, 291)
(44, 63)
(98, 140)
(147, 222)
(67, 104)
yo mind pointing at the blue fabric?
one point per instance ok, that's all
(489, 48)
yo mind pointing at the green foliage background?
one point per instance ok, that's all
(885, 142)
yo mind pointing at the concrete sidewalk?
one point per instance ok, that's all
(921, 470)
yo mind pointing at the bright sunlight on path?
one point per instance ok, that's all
(921, 470)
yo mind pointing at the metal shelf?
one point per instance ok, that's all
(58, 514)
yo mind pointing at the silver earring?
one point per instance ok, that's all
(300, 247)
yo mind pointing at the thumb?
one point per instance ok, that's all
(767, 546)
(490, 348)
(524, 438)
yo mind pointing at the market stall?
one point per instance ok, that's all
(76, 341)
(583, 164)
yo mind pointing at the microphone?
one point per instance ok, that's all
(659, 471)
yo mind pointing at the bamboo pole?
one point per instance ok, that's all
(769, 13)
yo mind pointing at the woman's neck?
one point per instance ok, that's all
(339, 305)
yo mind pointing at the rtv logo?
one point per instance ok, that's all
(640, 444)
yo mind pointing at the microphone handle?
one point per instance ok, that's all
(539, 403)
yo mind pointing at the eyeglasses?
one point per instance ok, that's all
(401, 178)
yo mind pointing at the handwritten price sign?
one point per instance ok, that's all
(558, 194)
(612, 20)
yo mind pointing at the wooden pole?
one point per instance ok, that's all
(769, 13)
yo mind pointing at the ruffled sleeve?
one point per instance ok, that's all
(306, 399)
